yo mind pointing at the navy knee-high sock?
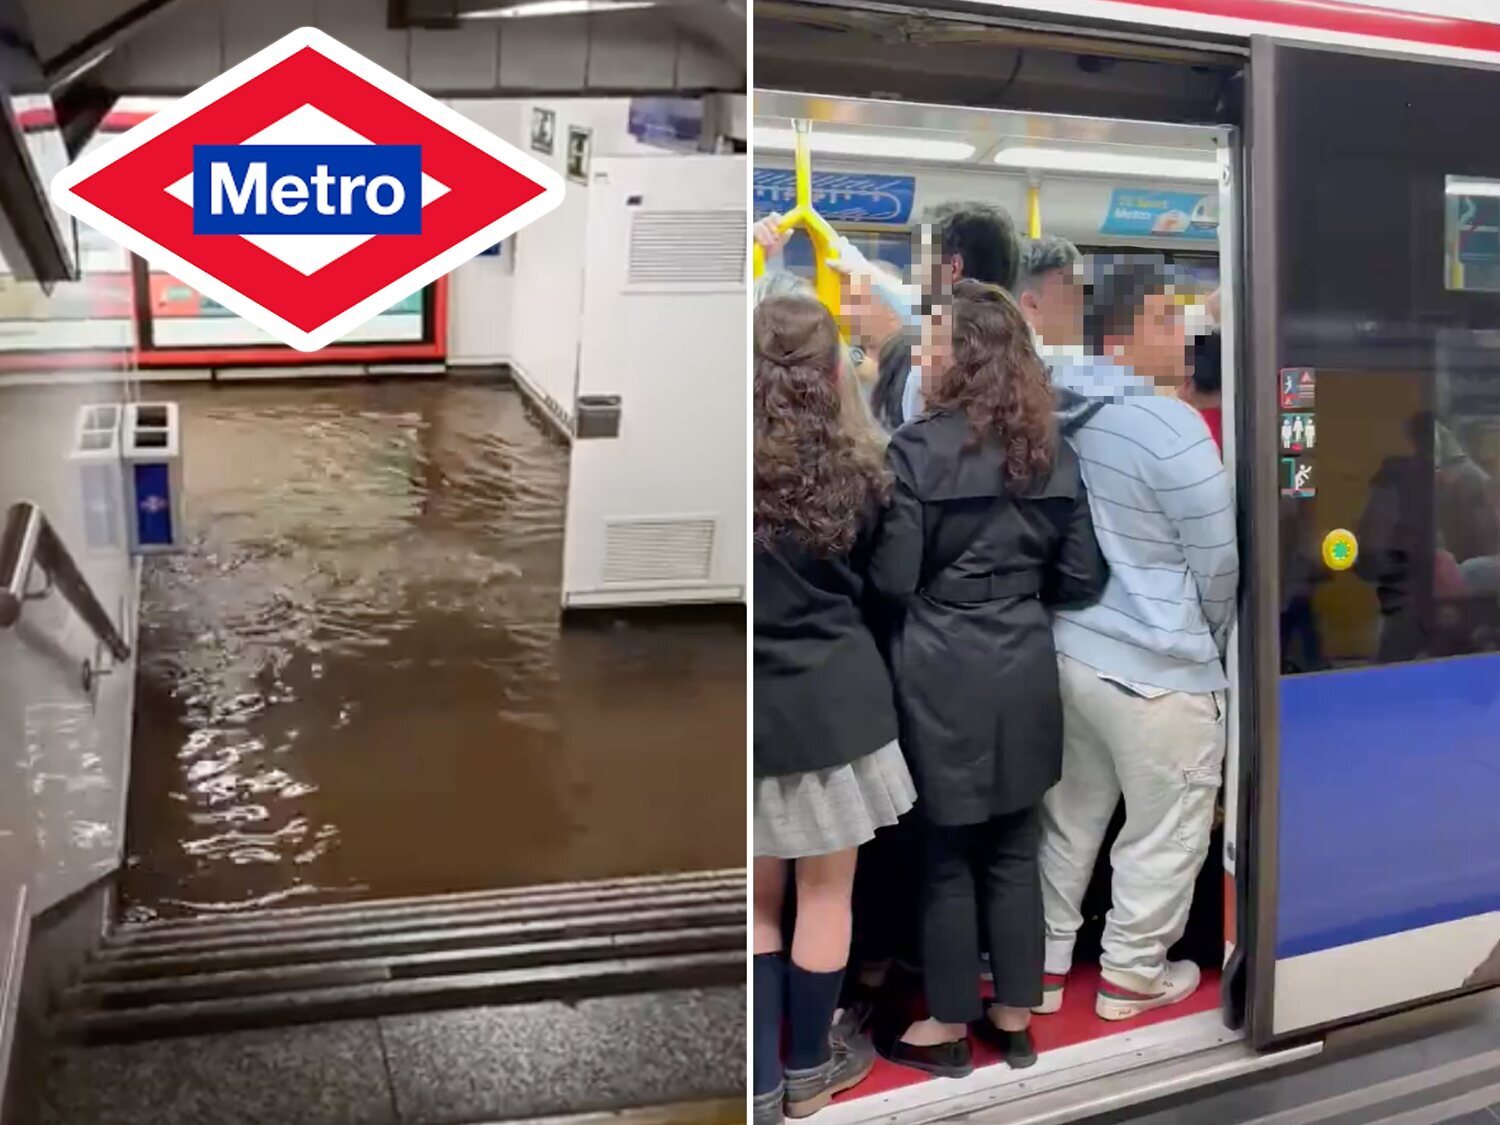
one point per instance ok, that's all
(811, 1000)
(768, 987)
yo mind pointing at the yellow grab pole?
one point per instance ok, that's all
(803, 163)
(826, 280)
(1034, 209)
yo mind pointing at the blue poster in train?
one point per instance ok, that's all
(840, 197)
(1190, 216)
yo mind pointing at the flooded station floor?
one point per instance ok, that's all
(355, 682)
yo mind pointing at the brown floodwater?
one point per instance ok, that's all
(355, 681)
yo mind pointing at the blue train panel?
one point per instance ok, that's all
(1389, 801)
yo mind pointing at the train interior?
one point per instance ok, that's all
(889, 141)
(333, 687)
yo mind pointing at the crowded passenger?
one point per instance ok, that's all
(988, 526)
(1142, 673)
(973, 241)
(873, 324)
(1051, 294)
(1203, 390)
(889, 393)
(827, 765)
(1058, 566)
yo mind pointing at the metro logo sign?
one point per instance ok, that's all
(307, 189)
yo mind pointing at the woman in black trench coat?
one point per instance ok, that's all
(988, 527)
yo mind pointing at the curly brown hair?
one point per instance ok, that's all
(997, 379)
(815, 469)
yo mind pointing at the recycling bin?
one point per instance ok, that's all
(101, 477)
(151, 449)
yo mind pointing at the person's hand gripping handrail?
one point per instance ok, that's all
(825, 240)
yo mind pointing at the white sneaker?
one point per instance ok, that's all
(1053, 987)
(1116, 1003)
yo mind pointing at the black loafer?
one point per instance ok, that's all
(946, 1060)
(1016, 1047)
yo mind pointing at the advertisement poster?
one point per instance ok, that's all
(840, 197)
(1190, 216)
(675, 124)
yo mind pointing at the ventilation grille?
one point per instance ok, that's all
(637, 551)
(679, 248)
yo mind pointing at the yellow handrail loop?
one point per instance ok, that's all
(827, 282)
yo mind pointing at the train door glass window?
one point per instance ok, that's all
(1390, 407)
(890, 248)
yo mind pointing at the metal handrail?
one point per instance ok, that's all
(29, 540)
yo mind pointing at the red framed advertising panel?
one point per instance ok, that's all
(431, 348)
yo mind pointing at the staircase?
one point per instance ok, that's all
(442, 1010)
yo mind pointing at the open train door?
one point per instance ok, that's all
(1372, 421)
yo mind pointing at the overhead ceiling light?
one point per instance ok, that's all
(556, 8)
(1486, 188)
(888, 145)
(1107, 163)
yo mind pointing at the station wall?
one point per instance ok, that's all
(522, 307)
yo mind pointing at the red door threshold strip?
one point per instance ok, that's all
(1075, 1023)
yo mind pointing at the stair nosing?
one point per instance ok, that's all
(538, 984)
(100, 969)
(96, 993)
(268, 934)
(458, 900)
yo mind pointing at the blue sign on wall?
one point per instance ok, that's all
(672, 123)
(1192, 216)
(840, 197)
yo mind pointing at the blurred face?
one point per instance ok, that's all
(870, 319)
(1054, 309)
(935, 351)
(1157, 348)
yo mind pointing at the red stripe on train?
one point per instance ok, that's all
(1346, 19)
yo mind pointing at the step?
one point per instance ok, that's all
(547, 1063)
(379, 911)
(337, 944)
(299, 929)
(566, 982)
(123, 994)
(724, 1111)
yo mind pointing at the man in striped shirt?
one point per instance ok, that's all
(1142, 673)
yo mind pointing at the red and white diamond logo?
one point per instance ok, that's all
(307, 189)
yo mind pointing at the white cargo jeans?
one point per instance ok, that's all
(1164, 751)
